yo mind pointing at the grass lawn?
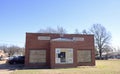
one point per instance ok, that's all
(102, 67)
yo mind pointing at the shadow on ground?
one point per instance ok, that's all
(5, 66)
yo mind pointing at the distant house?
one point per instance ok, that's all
(114, 55)
(54, 51)
(2, 54)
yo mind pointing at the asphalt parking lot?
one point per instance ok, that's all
(6, 68)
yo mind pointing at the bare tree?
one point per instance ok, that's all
(59, 30)
(102, 37)
(85, 31)
(4, 48)
(21, 51)
(107, 49)
(11, 50)
(77, 31)
(96, 51)
(47, 30)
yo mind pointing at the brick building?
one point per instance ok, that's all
(56, 51)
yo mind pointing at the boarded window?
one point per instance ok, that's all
(84, 55)
(37, 56)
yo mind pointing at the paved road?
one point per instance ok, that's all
(6, 68)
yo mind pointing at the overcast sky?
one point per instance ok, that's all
(20, 16)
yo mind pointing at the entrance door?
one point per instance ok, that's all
(63, 55)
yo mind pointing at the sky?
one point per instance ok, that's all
(20, 16)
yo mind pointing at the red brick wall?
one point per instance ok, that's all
(32, 42)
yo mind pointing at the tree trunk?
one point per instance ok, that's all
(100, 52)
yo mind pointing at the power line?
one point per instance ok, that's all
(11, 41)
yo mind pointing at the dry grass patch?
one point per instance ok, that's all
(102, 67)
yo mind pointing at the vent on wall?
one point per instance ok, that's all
(43, 38)
(78, 38)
